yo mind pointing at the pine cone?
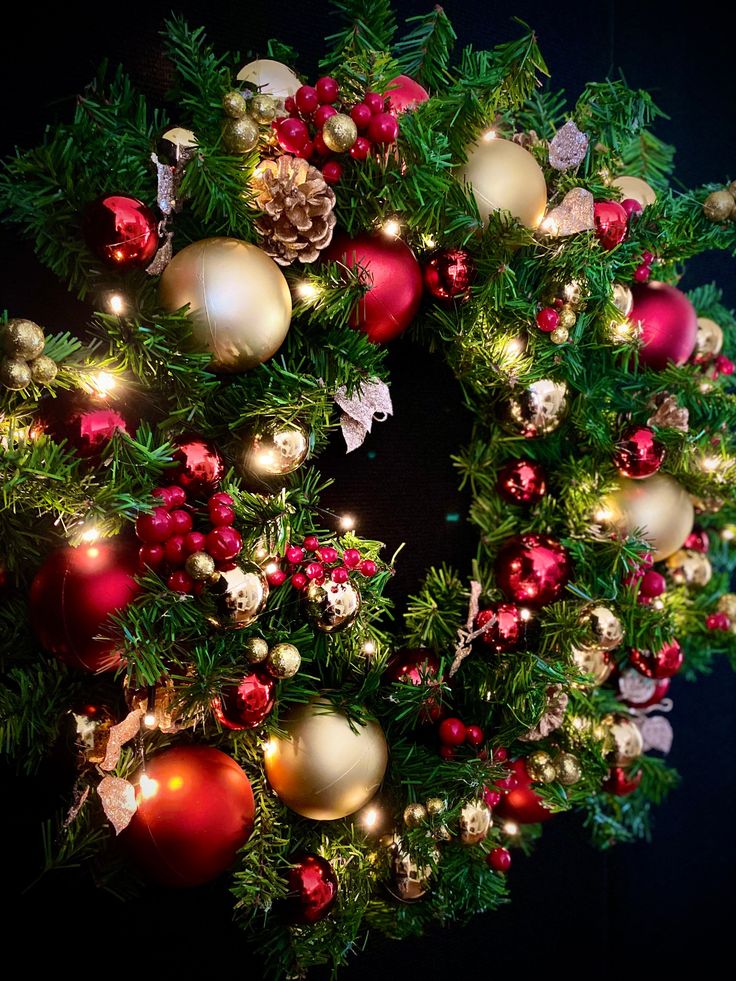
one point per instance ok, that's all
(297, 205)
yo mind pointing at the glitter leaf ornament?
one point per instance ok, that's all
(568, 147)
(118, 801)
(573, 214)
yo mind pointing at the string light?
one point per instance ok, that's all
(307, 291)
(369, 648)
(150, 719)
(657, 604)
(271, 568)
(511, 828)
(93, 552)
(728, 533)
(90, 534)
(148, 787)
(622, 331)
(269, 748)
(391, 227)
(101, 383)
(490, 134)
(603, 515)
(370, 818)
(116, 304)
(710, 463)
(347, 522)
(525, 614)
(429, 242)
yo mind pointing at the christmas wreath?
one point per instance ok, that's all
(214, 645)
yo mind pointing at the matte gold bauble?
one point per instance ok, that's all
(241, 135)
(603, 628)
(283, 661)
(594, 663)
(239, 301)
(709, 340)
(331, 606)
(636, 189)
(536, 410)
(475, 822)
(504, 176)
(275, 451)
(271, 77)
(43, 370)
(322, 768)
(22, 339)
(658, 507)
(627, 739)
(339, 132)
(719, 206)
(255, 650)
(240, 592)
(689, 568)
(568, 769)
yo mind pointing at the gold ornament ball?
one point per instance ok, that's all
(255, 650)
(560, 335)
(274, 452)
(200, 566)
(503, 176)
(331, 607)
(414, 815)
(567, 316)
(43, 370)
(709, 340)
(339, 132)
(604, 629)
(23, 339)
(234, 104)
(540, 767)
(657, 506)
(594, 663)
(719, 206)
(323, 768)
(271, 77)
(623, 298)
(537, 410)
(240, 593)
(241, 135)
(475, 822)
(636, 189)
(263, 108)
(410, 880)
(689, 568)
(435, 806)
(568, 769)
(627, 739)
(239, 301)
(283, 661)
(15, 374)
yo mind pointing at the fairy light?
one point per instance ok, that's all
(265, 460)
(490, 134)
(148, 787)
(269, 748)
(370, 818)
(347, 522)
(271, 568)
(116, 304)
(102, 383)
(603, 515)
(704, 387)
(90, 534)
(622, 331)
(525, 614)
(657, 604)
(710, 463)
(150, 719)
(369, 648)
(307, 291)
(391, 227)
(429, 242)
(93, 552)
(511, 828)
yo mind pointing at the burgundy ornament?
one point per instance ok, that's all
(520, 802)
(521, 482)
(620, 783)
(449, 274)
(246, 705)
(120, 231)
(499, 859)
(312, 889)
(87, 424)
(644, 692)
(532, 569)
(668, 324)
(611, 223)
(404, 94)
(697, 541)
(638, 454)
(410, 664)
(507, 627)
(383, 128)
(663, 663)
(200, 466)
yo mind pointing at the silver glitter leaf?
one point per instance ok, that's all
(573, 214)
(568, 147)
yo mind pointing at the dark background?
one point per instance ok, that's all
(575, 911)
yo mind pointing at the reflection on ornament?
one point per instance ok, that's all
(240, 591)
(410, 880)
(503, 176)
(689, 568)
(276, 451)
(638, 453)
(271, 77)
(331, 606)
(537, 410)
(623, 298)
(658, 508)
(475, 822)
(709, 340)
(246, 705)
(604, 629)
(121, 231)
(595, 664)
(627, 740)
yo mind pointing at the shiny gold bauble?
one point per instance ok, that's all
(719, 206)
(240, 592)
(709, 340)
(331, 606)
(43, 370)
(623, 298)
(239, 301)
(15, 374)
(234, 104)
(323, 768)
(283, 661)
(657, 507)
(410, 880)
(627, 739)
(263, 108)
(537, 409)
(275, 451)
(560, 335)
(435, 806)
(636, 189)
(568, 769)
(540, 767)
(503, 176)
(594, 663)
(689, 568)
(339, 132)
(271, 77)
(200, 566)
(414, 815)
(241, 135)
(475, 822)
(603, 628)
(567, 316)
(22, 339)
(255, 650)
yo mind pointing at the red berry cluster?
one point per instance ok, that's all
(644, 270)
(718, 621)
(300, 132)
(453, 732)
(548, 319)
(651, 583)
(169, 537)
(311, 561)
(722, 366)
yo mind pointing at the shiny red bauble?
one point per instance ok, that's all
(638, 453)
(520, 803)
(451, 732)
(663, 663)
(668, 324)
(521, 482)
(505, 625)
(449, 274)
(394, 278)
(404, 94)
(532, 569)
(85, 423)
(312, 889)
(246, 705)
(121, 231)
(292, 134)
(697, 540)
(73, 596)
(620, 783)
(412, 665)
(195, 810)
(499, 859)
(611, 223)
(200, 466)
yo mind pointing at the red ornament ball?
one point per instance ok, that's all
(667, 322)
(663, 663)
(532, 569)
(697, 541)
(521, 482)
(383, 128)
(638, 453)
(652, 692)
(195, 810)
(449, 274)
(246, 705)
(394, 279)
(474, 735)
(718, 621)
(87, 424)
(411, 665)
(499, 859)
(120, 231)
(404, 94)
(620, 783)
(73, 595)
(520, 803)
(200, 466)
(611, 223)
(548, 319)
(652, 584)
(451, 732)
(632, 207)
(506, 627)
(312, 889)
(224, 543)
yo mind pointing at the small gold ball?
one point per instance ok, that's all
(435, 806)
(568, 769)
(15, 374)
(339, 132)
(559, 335)
(540, 767)
(263, 108)
(283, 661)
(43, 370)
(234, 105)
(23, 339)
(567, 316)
(414, 815)
(719, 206)
(255, 650)
(200, 566)
(240, 135)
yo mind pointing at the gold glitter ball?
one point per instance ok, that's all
(567, 316)
(340, 132)
(540, 767)
(263, 108)
(568, 769)
(15, 374)
(200, 566)
(234, 105)
(414, 815)
(240, 135)
(719, 206)
(283, 661)
(435, 806)
(559, 335)
(23, 339)
(43, 370)
(255, 650)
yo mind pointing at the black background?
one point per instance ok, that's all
(575, 911)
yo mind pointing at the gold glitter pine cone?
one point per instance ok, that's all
(297, 204)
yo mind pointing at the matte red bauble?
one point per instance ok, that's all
(87, 424)
(195, 810)
(404, 94)
(312, 889)
(532, 569)
(394, 277)
(411, 665)
(201, 467)
(520, 803)
(121, 231)
(449, 274)
(522, 482)
(246, 705)
(658, 664)
(620, 783)
(668, 324)
(506, 627)
(611, 223)
(73, 595)
(638, 454)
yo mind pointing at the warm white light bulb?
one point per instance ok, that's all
(511, 828)
(148, 787)
(490, 134)
(102, 383)
(150, 719)
(369, 818)
(369, 647)
(391, 227)
(90, 534)
(548, 226)
(307, 291)
(116, 303)
(347, 522)
(271, 568)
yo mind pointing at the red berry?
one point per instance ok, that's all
(714, 621)
(292, 135)
(499, 859)
(299, 580)
(295, 554)
(548, 319)
(220, 498)
(177, 496)
(276, 578)
(500, 754)
(360, 149)
(195, 541)
(368, 568)
(322, 115)
(314, 570)
(332, 172)
(311, 543)
(647, 258)
(306, 151)
(180, 581)
(652, 584)
(306, 99)
(383, 128)
(224, 543)
(163, 495)
(320, 147)
(631, 206)
(221, 514)
(182, 521)
(151, 556)
(642, 273)
(289, 104)
(492, 797)
(724, 365)
(451, 732)
(154, 527)
(474, 735)
(175, 550)
(351, 557)
(327, 553)
(374, 101)
(340, 574)
(361, 115)
(327, 89)
(447, 752)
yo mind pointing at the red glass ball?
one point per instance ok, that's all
(180, 582)
(182, 521)
(451, 732)
(611, 223)
(652, 584)
(292, 134)
(246, 705)
(221, 514)
(312, 889)
(507, 628)
(175, 550)
(321, 116)
(200, 466)
(499, 859)
(121, 231)
(620, 783)
(155, 527)
(393, 276)
(195, 541)
(85, 423)
(195, 810)
(332, 171)
(663, 663)
(449, 274)
(404, 94)
(361, 115)
(667, 322)
(411, 665)
(73, 595)
(532, 569)
(306, 99)
(224, 543)
(383, 128)
(520, 802)
(548, 319)
(474, 735)
(361, 148)
(697, 540)
(327, 89)
(638, 453)
(374, 101)
(521, 482)
(150, 556)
